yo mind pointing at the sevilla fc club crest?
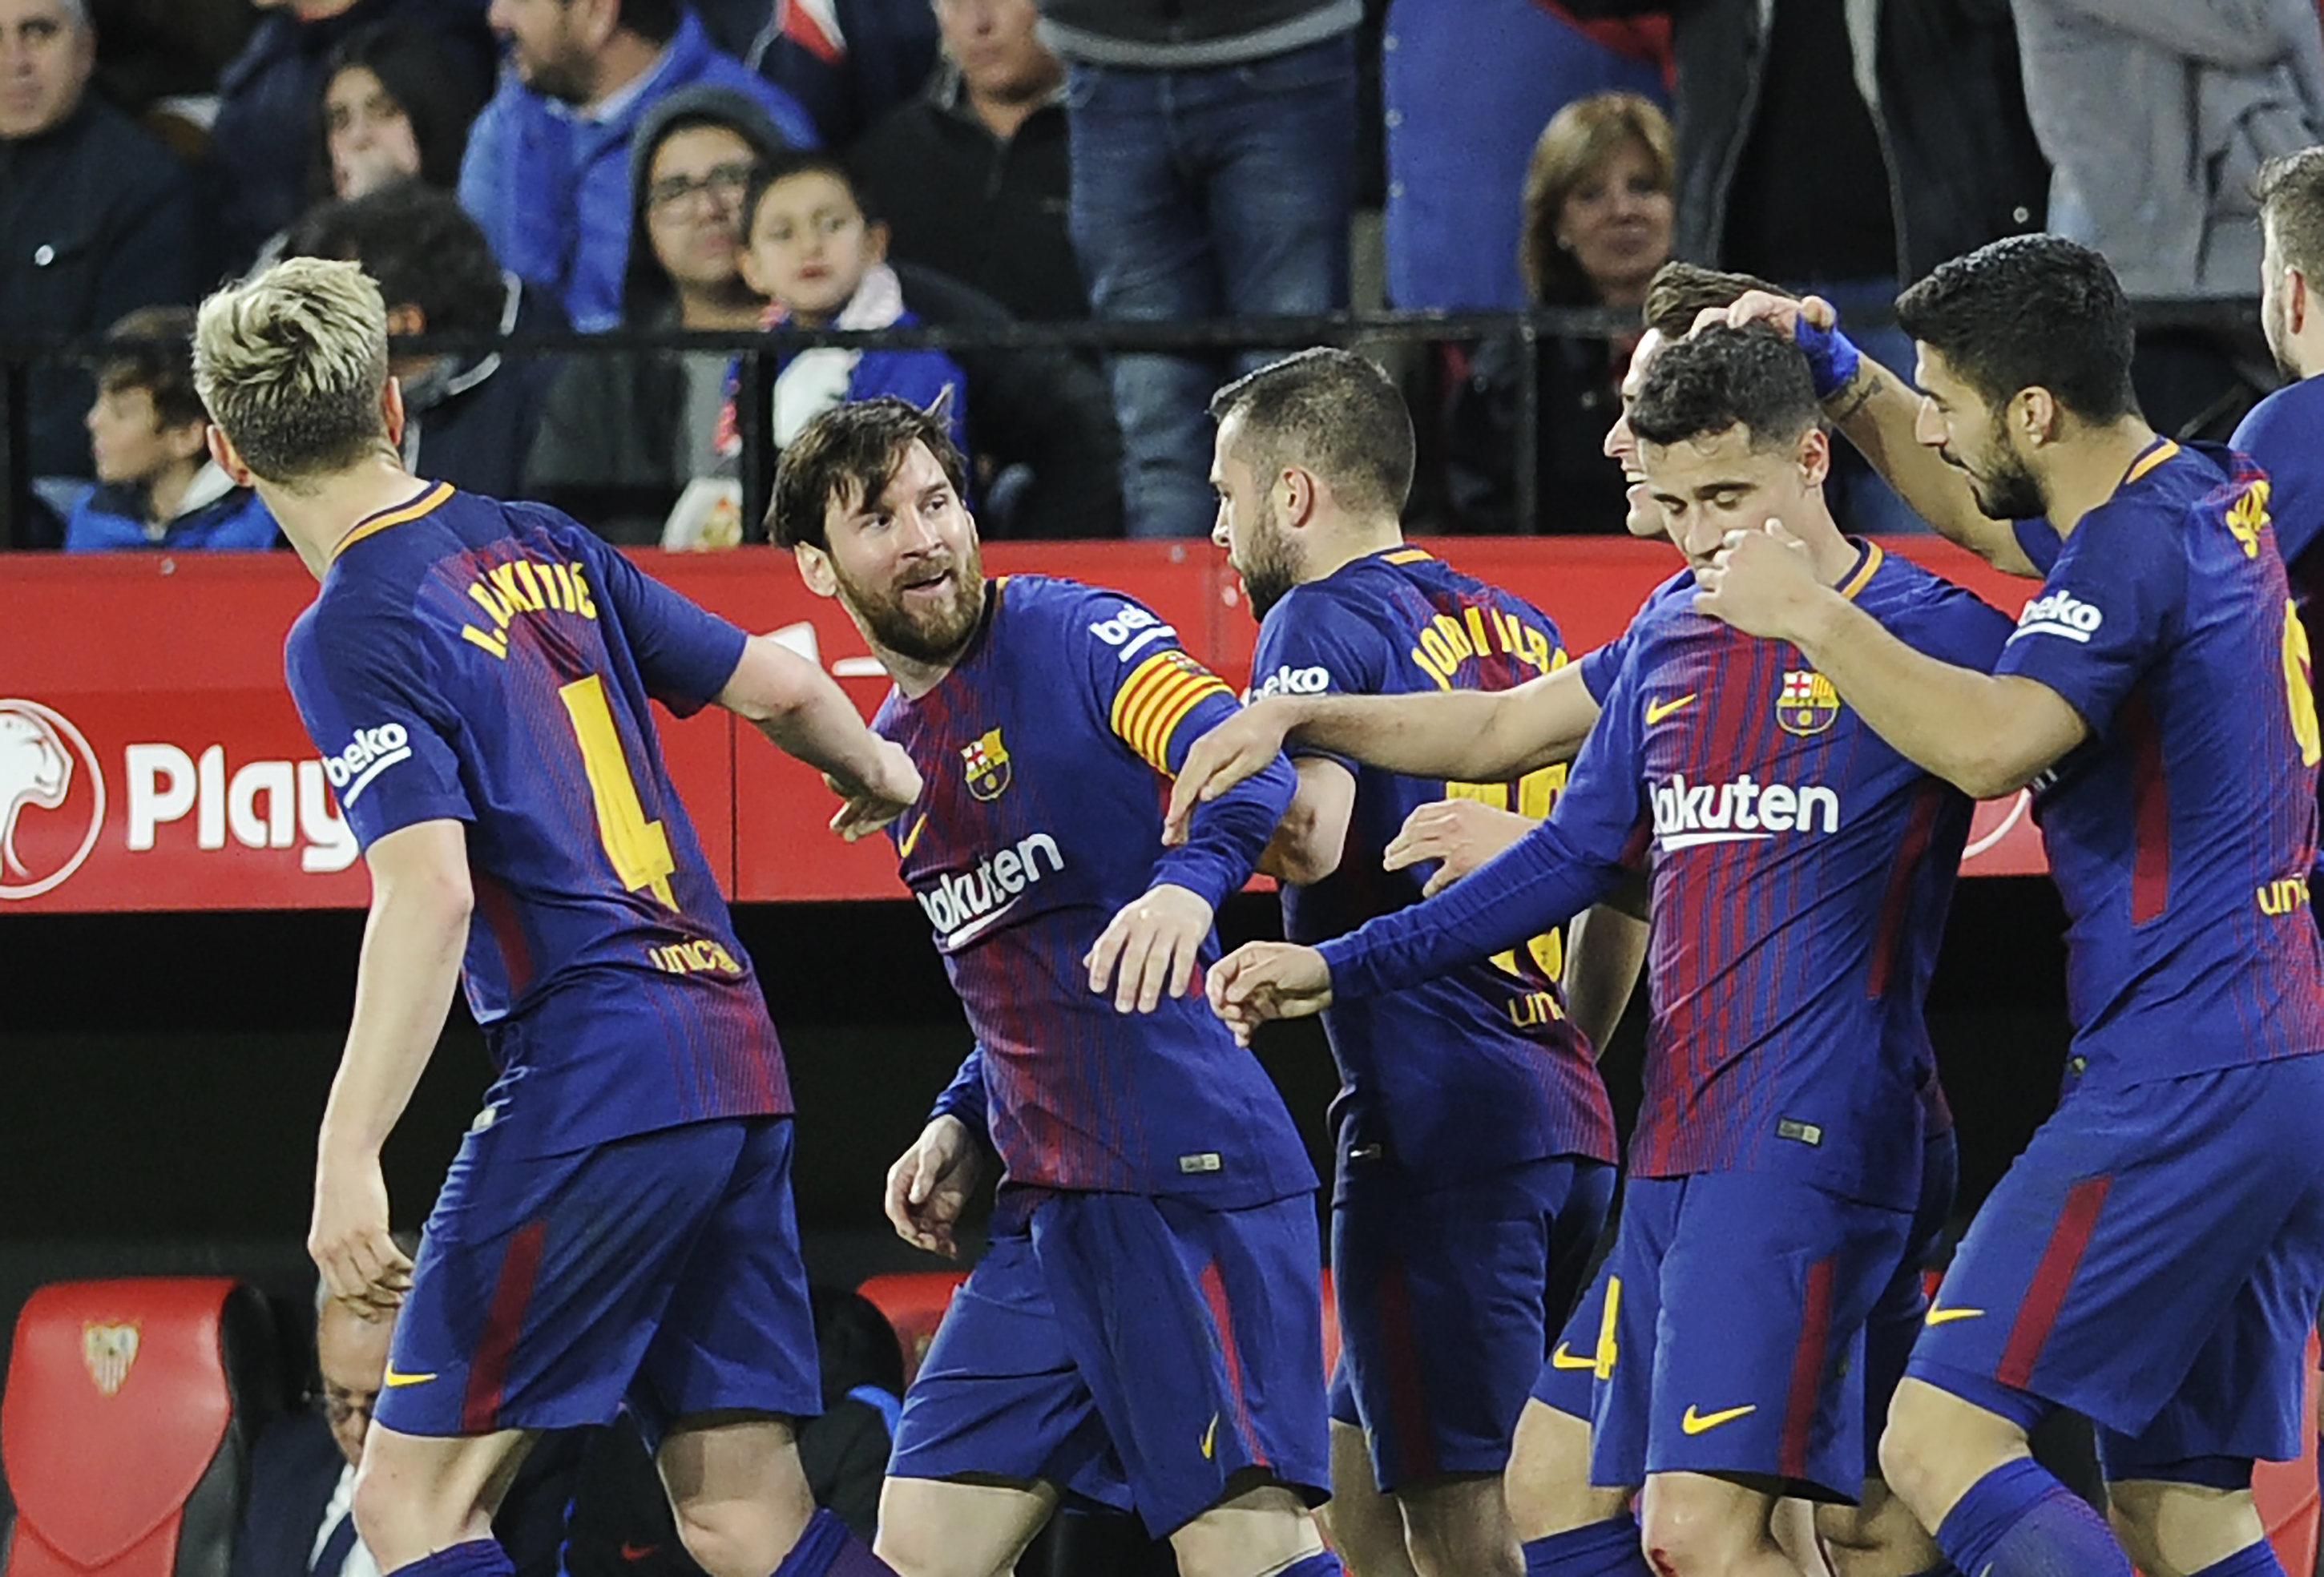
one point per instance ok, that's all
(108, 1351)
(1808, 705)
(986, 763)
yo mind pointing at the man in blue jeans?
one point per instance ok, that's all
(1211, 177)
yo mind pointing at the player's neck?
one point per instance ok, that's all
(916, 675)
(318, 519)
(1329, 552)
(2084, 473)
(1829, 548)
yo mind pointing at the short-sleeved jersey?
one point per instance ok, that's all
(2284, 435)
(1802, 872)
(1044, 751)
(1478, 1070)
(2183, 833)
(1601, 665)
(490, 663)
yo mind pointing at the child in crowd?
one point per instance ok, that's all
(157, 486)
(821, 262)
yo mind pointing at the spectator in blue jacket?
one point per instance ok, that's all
(157, 486)
(548, 166)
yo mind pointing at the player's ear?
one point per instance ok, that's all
(228, 459)
(391, 410)
(2033, 415)
(815, 568)
(1814, 457)
(2295, 299)
(1299, 489)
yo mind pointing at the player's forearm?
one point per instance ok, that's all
(1229, 835)
(800, 708)
(1954, 721)
(1604, 949)
(1463, 736)
(411, 964)
(1540, 882)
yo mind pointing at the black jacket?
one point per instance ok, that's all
(958, 199)
(1964, 168)
(95, 221)
(295, 1468)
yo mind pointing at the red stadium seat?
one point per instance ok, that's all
(127, 1430)
(914, 1303)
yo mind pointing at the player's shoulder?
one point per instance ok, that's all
(1909, 597)
(1028, 600)
(2285, 427)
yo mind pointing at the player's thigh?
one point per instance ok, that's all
(737, 1333)
(541, 1280)
(934, 1527)
(2101, 1268)
(1761, 1294)
(1199, 1332)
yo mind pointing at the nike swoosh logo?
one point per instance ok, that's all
(1947, 1316)
(1559, 1358)
(1658, 710)
(1695, 1423)
(911, 839)
(394, 1379)
(1211, 1437)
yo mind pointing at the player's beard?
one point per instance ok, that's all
(929, 633)
(2276, 324)
(2004, 488)
(1271, 568)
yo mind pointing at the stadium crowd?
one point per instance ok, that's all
(1881, 269)
(1043, 160)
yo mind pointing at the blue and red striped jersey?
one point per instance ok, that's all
(1802, 871)
(2181, 835)
(490, 663)
(2284, 434)
(1045, 752)
(1479, 1069)
(1602, 665)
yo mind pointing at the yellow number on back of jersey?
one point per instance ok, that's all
(639, 848)
(1530, 796)
(2299, 687)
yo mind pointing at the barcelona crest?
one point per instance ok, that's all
(1808, 704)
(986, 762)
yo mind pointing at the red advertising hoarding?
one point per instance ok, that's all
(151, 759)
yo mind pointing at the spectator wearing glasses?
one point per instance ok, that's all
(298, 1522)
(622, 433)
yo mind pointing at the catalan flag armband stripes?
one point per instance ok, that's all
(1155, 698)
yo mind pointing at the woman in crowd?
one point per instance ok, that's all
(1598, 215)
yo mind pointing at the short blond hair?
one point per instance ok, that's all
(291, 364)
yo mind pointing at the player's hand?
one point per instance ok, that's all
(1760, 581)
(1462, 832)
(886, 790)
(1785, 312)
(1149, 946)
(1260, 980)
(929, 1185)
(1237, 749)
(348, 1238)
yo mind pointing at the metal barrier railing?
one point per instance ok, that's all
(760, 351)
